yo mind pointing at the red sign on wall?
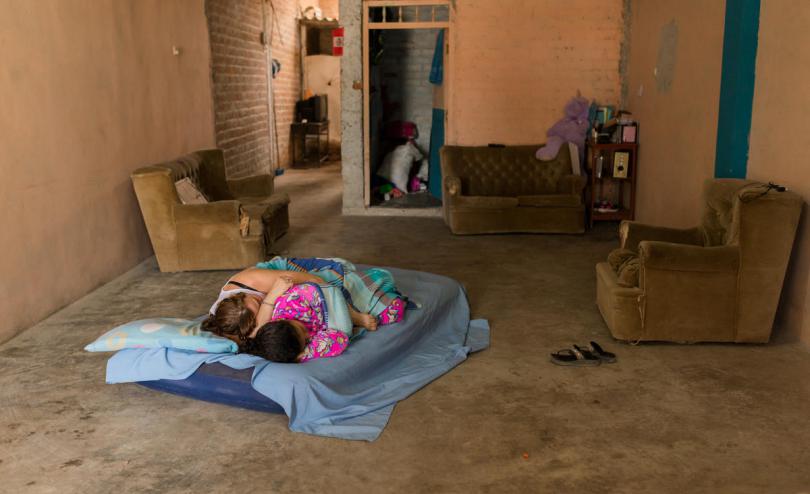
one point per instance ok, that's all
(337, 42)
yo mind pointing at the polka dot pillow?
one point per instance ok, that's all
(162, 332)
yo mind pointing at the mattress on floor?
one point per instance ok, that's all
(350, 396)
(218, 383)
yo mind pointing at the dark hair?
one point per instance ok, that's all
(231, 317)
(277, 341)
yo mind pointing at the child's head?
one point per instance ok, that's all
(233, 318)
(279, 341)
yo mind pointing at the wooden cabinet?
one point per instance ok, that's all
(613, 170)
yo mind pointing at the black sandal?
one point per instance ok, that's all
(575, 356)
(601, 354)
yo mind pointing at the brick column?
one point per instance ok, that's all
(239, 79)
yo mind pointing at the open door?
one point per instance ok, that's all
(379, 16)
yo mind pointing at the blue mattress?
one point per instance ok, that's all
(218, 383)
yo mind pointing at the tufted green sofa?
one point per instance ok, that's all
(189, 237)
(718, 282)
(507, 189)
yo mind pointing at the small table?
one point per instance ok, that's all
(608, 176)
(308, 147)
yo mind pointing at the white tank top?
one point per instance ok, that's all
(223, 294)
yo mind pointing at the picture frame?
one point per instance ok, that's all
(629, 133)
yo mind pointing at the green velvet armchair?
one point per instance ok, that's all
(718, 282)
(189, 237)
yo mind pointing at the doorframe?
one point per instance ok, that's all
(367, 26)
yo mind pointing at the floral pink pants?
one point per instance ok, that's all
(393, 313)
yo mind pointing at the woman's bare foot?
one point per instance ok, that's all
(363, 320)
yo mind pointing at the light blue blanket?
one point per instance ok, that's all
(350, 396)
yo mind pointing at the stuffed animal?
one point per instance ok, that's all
(572, 128)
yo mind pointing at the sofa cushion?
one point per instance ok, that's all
(550, 200)
(188, 192)
(264, 206)
(617, 257)
(628, 272)
(625, 264)
(485, 202)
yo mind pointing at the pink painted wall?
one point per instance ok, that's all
(89, 91)
(778, 131)
(514, 64)
(329, 8)
(673, 90)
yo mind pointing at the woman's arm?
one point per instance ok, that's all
(264, 279)
(281, 285)
(298, 277)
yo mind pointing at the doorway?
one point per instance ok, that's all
(404, 54)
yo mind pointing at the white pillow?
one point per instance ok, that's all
(188, 192)
(162, 332)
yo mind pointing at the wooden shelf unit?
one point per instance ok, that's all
(624, 189)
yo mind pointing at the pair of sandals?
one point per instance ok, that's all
(579, 356)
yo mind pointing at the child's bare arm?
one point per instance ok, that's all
(265, 277)
(298, 277)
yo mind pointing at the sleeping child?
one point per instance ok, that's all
(292, 316)
(298, 329)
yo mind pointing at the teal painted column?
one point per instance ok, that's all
(737, 88)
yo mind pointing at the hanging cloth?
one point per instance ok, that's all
(436, 143)
(437, 125)
(437, 67)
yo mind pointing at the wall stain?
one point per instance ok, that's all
(667, 55)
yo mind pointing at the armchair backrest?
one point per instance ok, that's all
(504, 171)
(762, 223)
(719, 203)
(206, 169)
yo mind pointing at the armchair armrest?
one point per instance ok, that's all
(208, 237)
(212, 213)
(452, 191)
(255, 186)
(689, 292)
(571, 184)
(631, 233)
(679, 257)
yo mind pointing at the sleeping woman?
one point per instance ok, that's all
(282, 315)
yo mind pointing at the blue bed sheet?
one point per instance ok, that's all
(350, 396)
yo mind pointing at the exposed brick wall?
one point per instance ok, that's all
(405, 69)
(285, 48)
(239, 74)
(515, 63)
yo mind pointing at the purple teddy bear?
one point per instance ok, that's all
(572, 128)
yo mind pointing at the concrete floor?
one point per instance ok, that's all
(666, 418)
